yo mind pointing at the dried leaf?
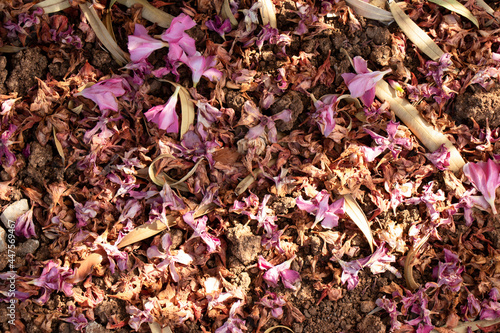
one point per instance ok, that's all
(103, 35)
(59, 147)
(226, 13)
(53, 6)
(462, 327)
(86, 266)
(357, 215)
(11, 49)
(431, 138)
(485, 6)
(370, 11)
(414, 33)
(268, 13)
(410, 261)
(277, 326)
(458, 8)
(145, 231)
(150, 12)
(162, 178)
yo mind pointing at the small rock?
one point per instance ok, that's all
(30, 246)
(94, 327)
(367, 306)
(3, 240)
(14, 210)
(246, 246)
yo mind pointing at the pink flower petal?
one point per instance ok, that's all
(485, 176)
(141, 45)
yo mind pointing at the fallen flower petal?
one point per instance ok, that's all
(165, 115)
(485, 176)
(104, 93)
(362, 84)
(141, 45)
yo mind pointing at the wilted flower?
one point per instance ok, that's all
(233, 324)
(440, 158)
(392, 142)
(288, 276)
(485, 176)
(178, 40)
(5, 143)
(104, 93)
(473, 307)
(165, 115)
(85, 212)
(468, 200)
(169, 259)
(362, 85)
(266, 122)
(53, 279)
(202, 66)
(141, 45)
(449, 272)
(490, 309)
(274, 302)
(25, 226)
(327, 214)
(390, 306)
(101, 130)
(115, 256)
(138, 317)
(378, 263)
(219, 26)
(326, 110)
(200, 230)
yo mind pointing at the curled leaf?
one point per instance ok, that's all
(352, 208)
(59, 147)
(226, 13)
(161, 178)
(86, 267)
(270, 329)
(370, 11)
(458, 8)
(145, 231)
(431, 138)
(103, 35)
(53, 6)
(268, 13)
(415, 33)
(150, 12)
(410, 260)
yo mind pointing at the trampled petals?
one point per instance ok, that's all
(141, 45)
(319, 207)
(485, 176)
(165, 115)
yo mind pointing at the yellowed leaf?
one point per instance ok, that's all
(145, 231)
(150, 12)
(370, 11)
(458, 8)
(11, 49)
(162, 178)
(187, 107)
(414, 33)
(53, 6)
(59, 147)
(226, 13)
(268, 13)
(270, 329)
(431, 138)
(354, 211)
(103, 35)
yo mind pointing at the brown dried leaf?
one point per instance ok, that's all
(357, 215)
(86, 267)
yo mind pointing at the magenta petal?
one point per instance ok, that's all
(289, 277)
(271, 277)
(485, 176)
(104, 93)
(360, 65)
(141, 45)
(263, 263)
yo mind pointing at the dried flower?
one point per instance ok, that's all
(25, 226)
(327, 214)
(200, 230)
(53, 279)
(219, 26)
(202, 66)
(178, 40)
(233, 324)
(5, 143)
(169, 259)
(288, 276)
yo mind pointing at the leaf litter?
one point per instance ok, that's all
(142, 211)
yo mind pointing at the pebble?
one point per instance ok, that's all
(13, 211)
(367, 306)
(3, 240)
(30, 246)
